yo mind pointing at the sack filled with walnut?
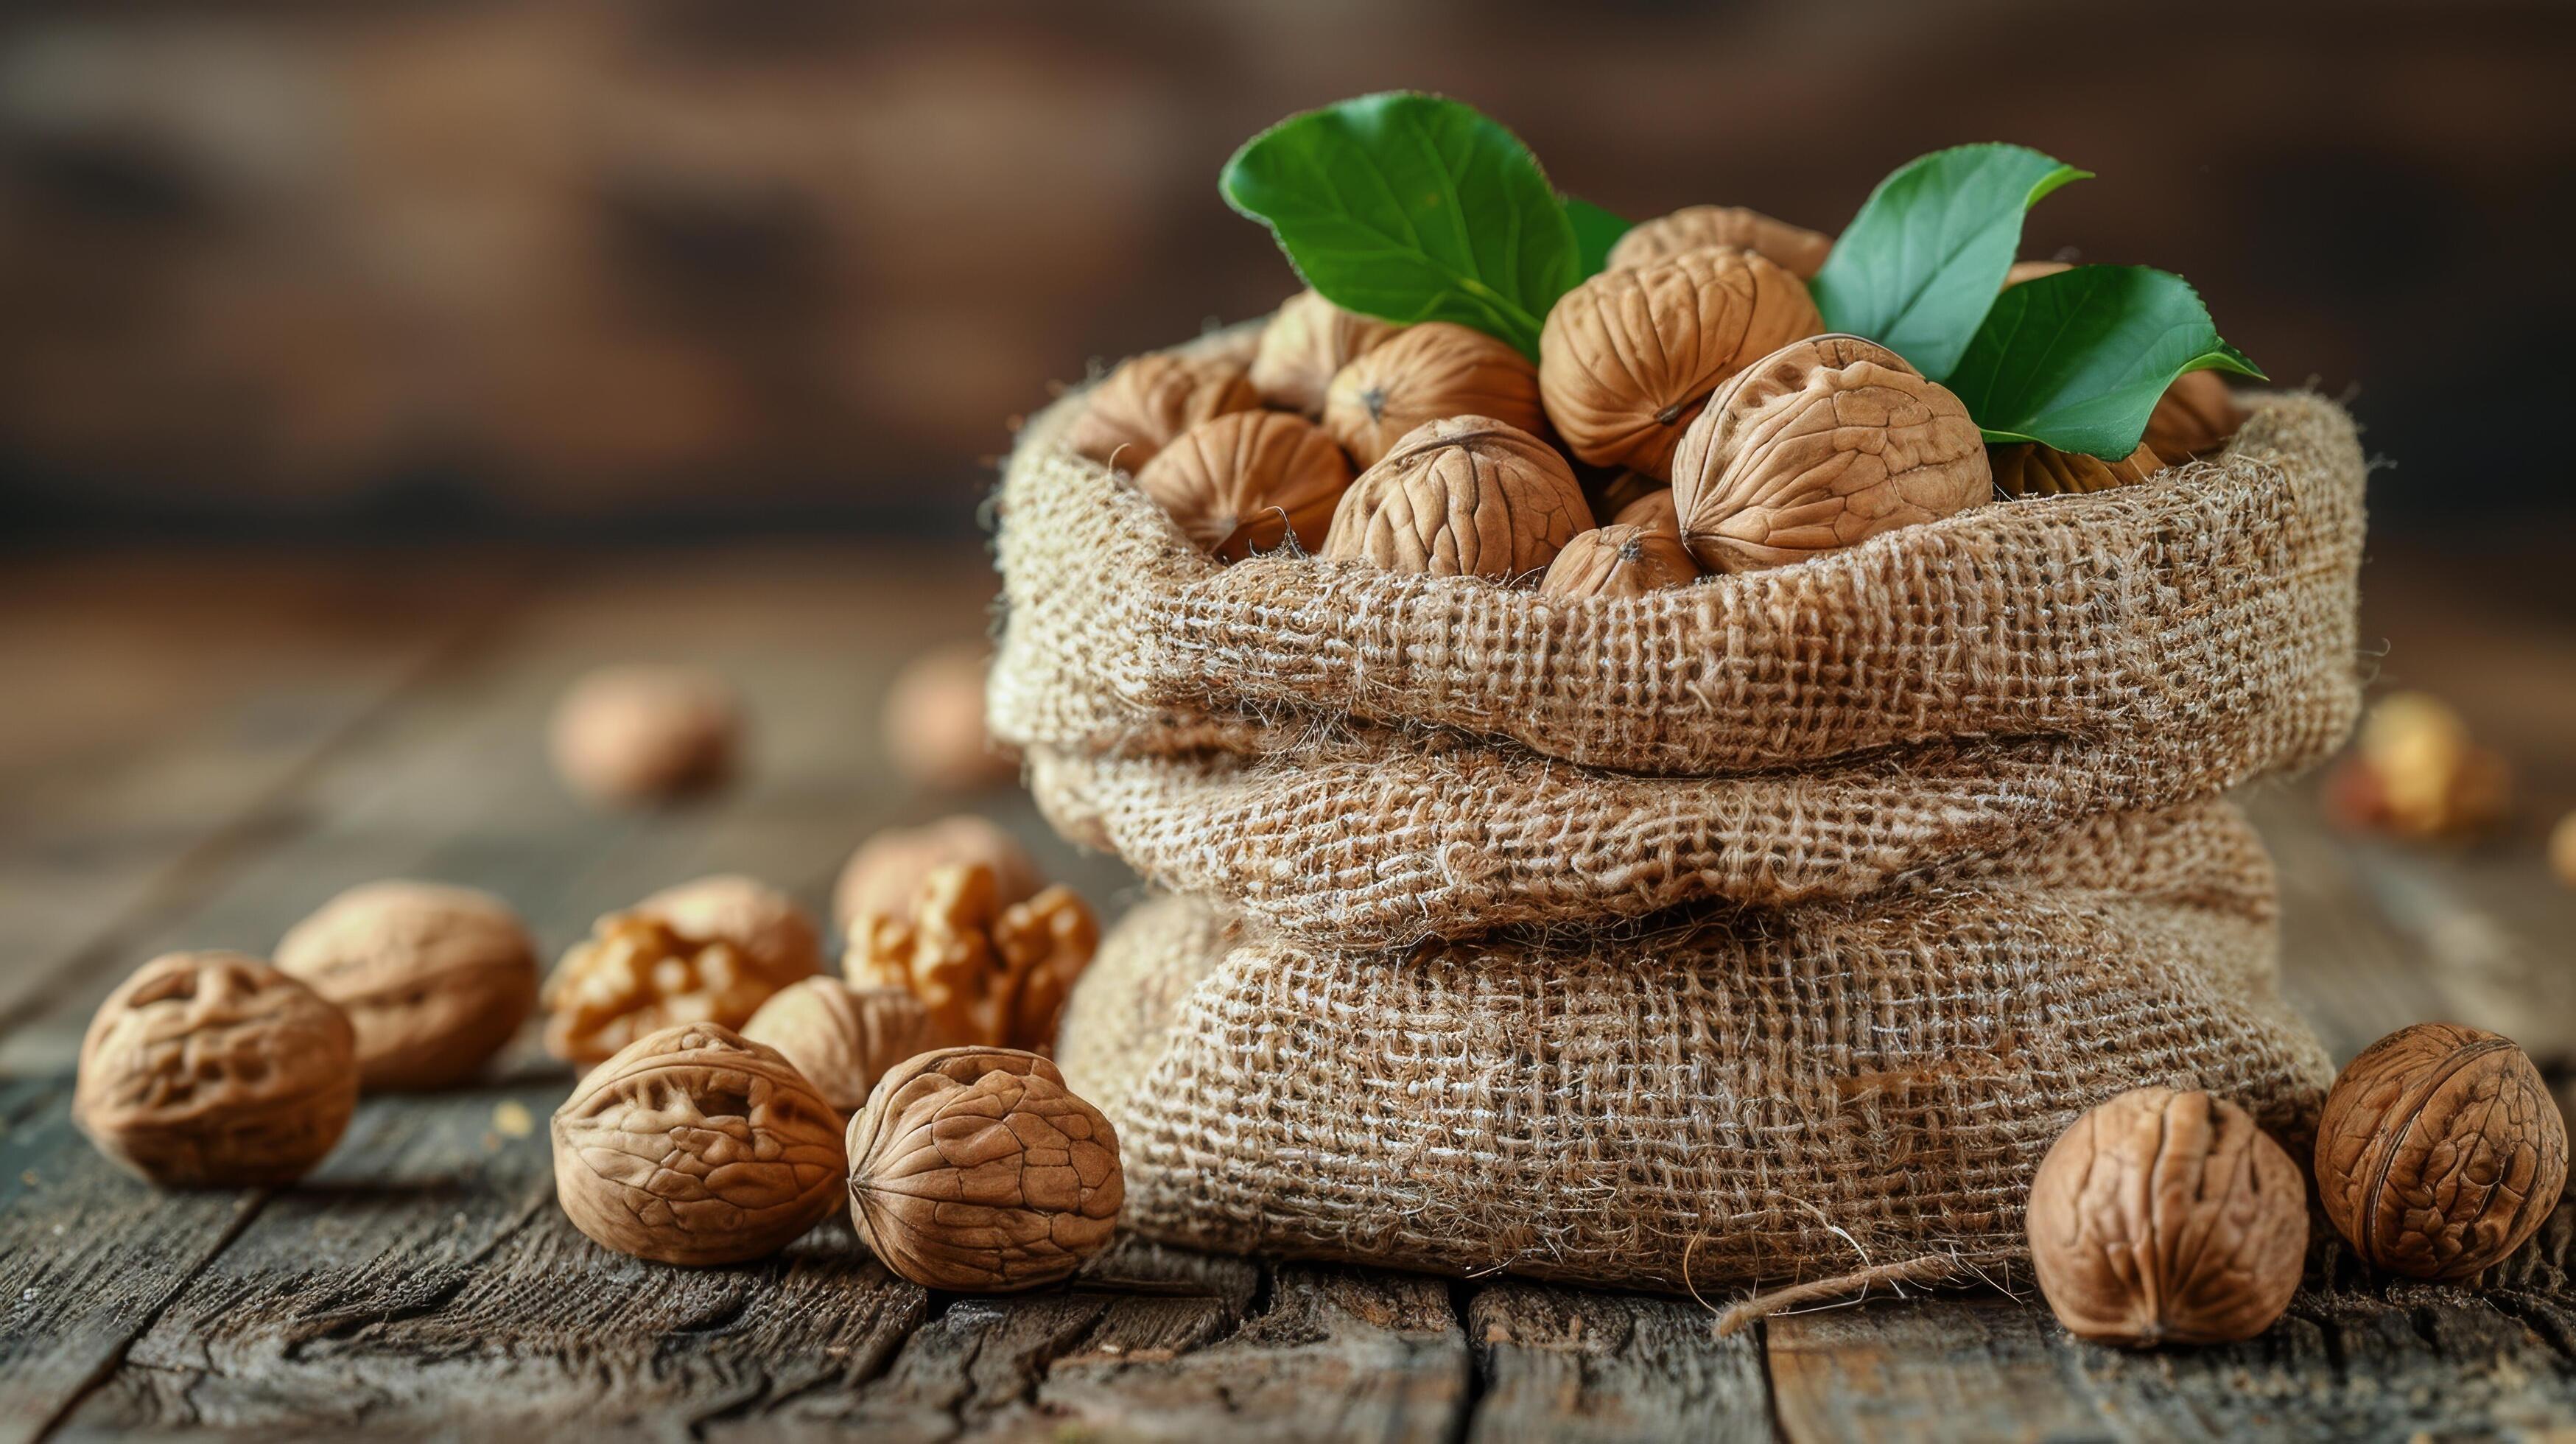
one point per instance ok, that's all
(1749, 1098)
(1700, 929)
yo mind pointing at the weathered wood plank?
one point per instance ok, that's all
(1573, 1364)
(1986, 1369)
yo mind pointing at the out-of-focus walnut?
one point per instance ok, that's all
(2032, 270)
(638, 732)
(841, 1038)
(215, 1069)
(977, 1170)
(989, 973)
(1308, 341)
(2416, 773)
(2196, 416)
(694, 1146)
(1609, 493)
(1819, 445)
(434, 978)
(2562, 849)
(1244, 483)
(709, 951)
(883, 877)
(1654, 511)
(1799, 251)
(1466, 496)
(1424, 374)
(934, 722)
(1627, 359)
(2164, 1217)
(2439, 1151)
(1150, 399)
(2030, 469)
(1619, 561)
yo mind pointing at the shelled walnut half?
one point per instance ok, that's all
(988, 973)
(710, 951)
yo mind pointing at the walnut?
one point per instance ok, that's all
(215, 1069)
(1627, 359)
(2439, 1151)
(1244, 483)
(2562, 849)
(709, 951)
(2030, 469)
(2195, 417)
(977, 1170)
(694, 1146)
(2416, 773)
(1307, 342)
(883, 877)
(841, 1038)
(2166, 1217)
(1795, 249)
(989, 973)
(1150, 399)
(1619, 561)
(2032, 270)
(1609, 493)
(434, 979)
(1654, 511)
(1466, 496)
(1428, 372)
(934, 722)
(1821, 444)
(638, 732)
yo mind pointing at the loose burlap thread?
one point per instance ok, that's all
(1746, 932)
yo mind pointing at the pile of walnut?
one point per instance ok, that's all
(1686, 416)
(2171, 1217)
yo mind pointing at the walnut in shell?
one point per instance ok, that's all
(1799, 251)
(1619, 561)
(709, 951)
(1627, 359)
(1654, 511)
(637, 732)
(2030, 469)
(434, 978)
(977, 1170)
(1150, 399)
(2562, 849)
(883, 877)
(2439, 1151)
(841, 1038)
(2197, 416)
(1819, 445)
(989, 973)
(1466, 496)
(694, 1146)
(2166, 1217)
(2415, 772)
(215, 1069)
(1428, 372)
(1308, 341)
(934, 722)
(1244, 483)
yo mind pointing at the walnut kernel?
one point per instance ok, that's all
(710, 951)
(1428, 372)
(1469, 495)
(883, 877)
(1308, 341)
(1799, 251)
(435, 979)
(1244, 483)
(989, 973)
(841, 1038)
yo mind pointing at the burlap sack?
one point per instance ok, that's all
(1813, 1094)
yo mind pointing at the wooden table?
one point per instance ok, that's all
(198, 749)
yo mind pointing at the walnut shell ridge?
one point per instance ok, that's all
(1820, 445)
(2440, 1150)
(709, 951)
(693, 1145)
(1619, 561)
(1465, 496)
(435, 979)
(843, 1039)
(215, 1069)
(1150, 399)
(1797, 250)
(1627, 359)
(2167, 1217)
(977, 1170)
(1244, 483)
(1423, 374)
(1307, 342)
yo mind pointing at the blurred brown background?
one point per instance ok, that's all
(570, 270)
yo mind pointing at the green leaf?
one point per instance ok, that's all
(1412, 208)
(1918, 268)
(1595, 232)
(2078, 360)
